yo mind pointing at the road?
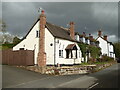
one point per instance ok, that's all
(19, 78)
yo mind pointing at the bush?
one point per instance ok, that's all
(99, 60)
(106, 58)
(91, 60)
(4, 46)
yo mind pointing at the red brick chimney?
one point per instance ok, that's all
(72, 30)
(42, 54)
(89, 34)
(105, 37)
(99, 33)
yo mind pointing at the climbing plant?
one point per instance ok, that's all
(94, 51)
(83, 48)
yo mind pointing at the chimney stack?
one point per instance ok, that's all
(89, 34)
(105, 37)
(41, 53)
(72, 30)
(100, 33)
(84, 34)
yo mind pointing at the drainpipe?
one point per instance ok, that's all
(54, 51)
(108, 49)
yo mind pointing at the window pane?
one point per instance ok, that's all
(37, 33)
(61, 53)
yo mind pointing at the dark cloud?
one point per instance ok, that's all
(19, 17)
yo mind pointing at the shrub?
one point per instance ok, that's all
(91, 60)
(106, 58)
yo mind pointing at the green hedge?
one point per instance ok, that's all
(7, 46)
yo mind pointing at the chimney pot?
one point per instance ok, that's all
(84, 34)
(105, 37)
(72, 23)
(42, 11)
(99, 33)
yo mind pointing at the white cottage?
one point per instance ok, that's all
(106, 46)
(52, 44)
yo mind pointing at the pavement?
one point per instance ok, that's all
(14, 77)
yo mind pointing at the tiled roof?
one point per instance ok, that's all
(55, 30)
(70, 46)
(58, 32)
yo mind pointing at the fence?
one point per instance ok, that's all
(19, 57)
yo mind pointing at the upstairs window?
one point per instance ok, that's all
(37, 34)
(61, 53)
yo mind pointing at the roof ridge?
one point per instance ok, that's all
(57, 26)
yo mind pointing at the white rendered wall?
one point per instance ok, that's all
(77, 37)
(31, 42)
(111, 50)
(61, 45)
(88, 41)
(49, 39)
(103, 45)
(83, 39)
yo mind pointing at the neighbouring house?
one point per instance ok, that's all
(93, 41)
(82, 38)
(107, 47)
(52, 44)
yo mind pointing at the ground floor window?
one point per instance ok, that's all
(111, 54)
(61, 53)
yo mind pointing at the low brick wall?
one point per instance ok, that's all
(67, 70)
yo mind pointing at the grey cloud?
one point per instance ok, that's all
(20, 16)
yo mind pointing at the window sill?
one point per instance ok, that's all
(70, 58)
(61, 57)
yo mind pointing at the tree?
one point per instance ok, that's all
(2, 26)
(117, 49)
(16, 40)
(3, 31)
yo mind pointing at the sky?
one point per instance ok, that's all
(89, 17)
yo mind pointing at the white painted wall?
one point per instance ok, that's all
(31, 42)
(82, 39)
(103, 45)
(111, 50)
(49, 39)
(77, 37)
(61, 45)
(87, 41)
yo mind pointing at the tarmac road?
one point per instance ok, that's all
(19, 78)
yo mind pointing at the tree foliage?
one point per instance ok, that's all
(83, 48)
(16, 40)
(117, 49)
(2, 26)
(94, 51)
